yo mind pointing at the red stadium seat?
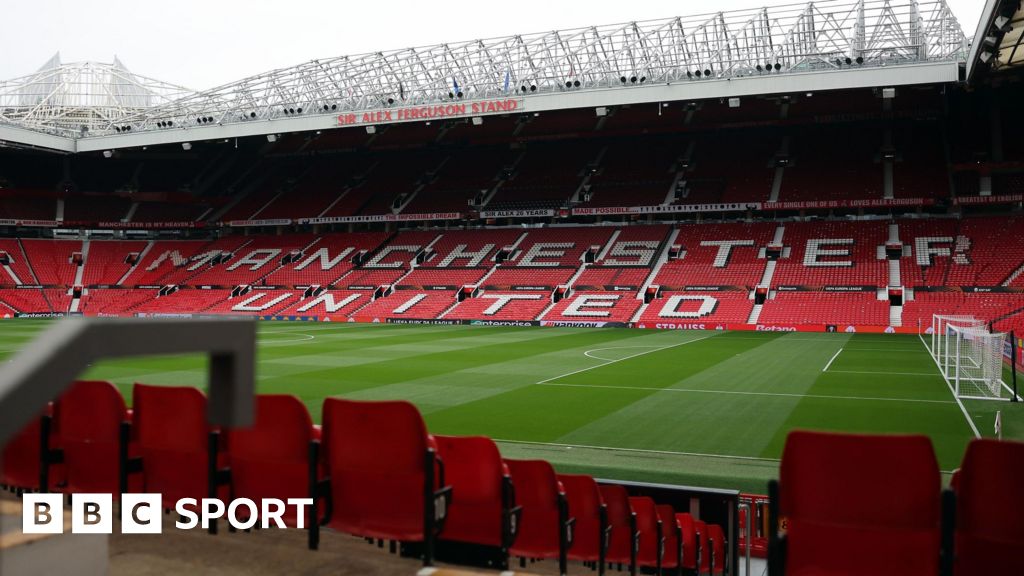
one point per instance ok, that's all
(718, 558)
(591, 530)
(671, 534)
(178, 452)
(856, 504)
(622, 521)
(484, 512)
(704, 543)
(652, 542)
(22, 460)
(990, 511)
(277, 456)
(396, 497)
(546, 529)
(690, 542)
(91, 416)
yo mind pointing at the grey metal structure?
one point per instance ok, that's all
(44, 368)
(79, 98)
(829, 44)
(999, 44)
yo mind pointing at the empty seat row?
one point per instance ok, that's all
(372, 470)
(858, 504)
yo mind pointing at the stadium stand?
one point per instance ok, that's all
(505, 306)
(861, 308)
(590, 307)
(724, 307)
(832, 254)
(717, 255)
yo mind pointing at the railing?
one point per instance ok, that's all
(50, 363)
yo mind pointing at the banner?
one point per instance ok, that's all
(667, 209)
(872, 203)
(431, 112)
(382, 218)
(516, 213)
(147, 225)
(250, 223)
(1001, 199)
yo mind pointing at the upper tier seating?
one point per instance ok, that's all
(553, 247)
(468, 248)
(826, 308)
(540, 278)
(51, 260)
(545, 177)
(260, 256)
(715, 175)
(96, 208)
(709, 262)
(994, 252)
(326, 260)
(833, 254)
(465, 175)
(105, 263)
(19, 264)
(635, 173)
(814, 173)
(921, 268)
(450, 277)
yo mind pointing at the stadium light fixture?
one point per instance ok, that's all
(271, 137)
(576, 83)
(1002, 24)
(371, 129)
(107, 153)
(990, 41)
(601, 111)
(186, 146)
(985, 57)
(734, 102)
(477, 120)
(888, 93)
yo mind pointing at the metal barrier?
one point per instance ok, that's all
(51, 362)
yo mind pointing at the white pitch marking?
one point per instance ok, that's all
(748, 393)
(880, 373)
(970, 422)
(625, 358)
(589, 355)
(274, 341)
(836, 355)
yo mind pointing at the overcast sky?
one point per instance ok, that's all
(204, 43)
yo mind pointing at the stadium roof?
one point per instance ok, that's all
(827, 45)
(999, 40)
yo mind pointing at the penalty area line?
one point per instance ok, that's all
(609, 362)
(637, 450)
(833, 359)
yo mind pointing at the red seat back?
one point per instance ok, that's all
(171, 435)
(537, 491)
(647, 526)
(270, 459)
(704, 542)
(616, 501)
(688, 540)
(474, 470)
(22, 458)
(585, 506)
(89, 416)
(375, 454)
(717, 540)
(845, 493)
(670, 533)
(990, 510)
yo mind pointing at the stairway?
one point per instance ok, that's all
(755, 313)
(896, 316)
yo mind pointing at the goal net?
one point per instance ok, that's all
(940, 332)
(974, 362)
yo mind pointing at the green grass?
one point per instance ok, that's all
(697, 408)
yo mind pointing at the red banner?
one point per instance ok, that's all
(1002, 199)
(431, 112)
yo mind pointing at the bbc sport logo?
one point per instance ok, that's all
(141, 513)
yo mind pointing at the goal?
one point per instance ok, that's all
(973, 362)
(940, 332)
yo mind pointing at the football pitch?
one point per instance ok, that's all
(687, 407)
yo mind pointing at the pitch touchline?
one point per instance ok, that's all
(836, 355)
(963, 409)
(639, 450)
(626, 358)
(747, 393)
(880, 373)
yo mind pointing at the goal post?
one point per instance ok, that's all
(941, 346)
(974, 362)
